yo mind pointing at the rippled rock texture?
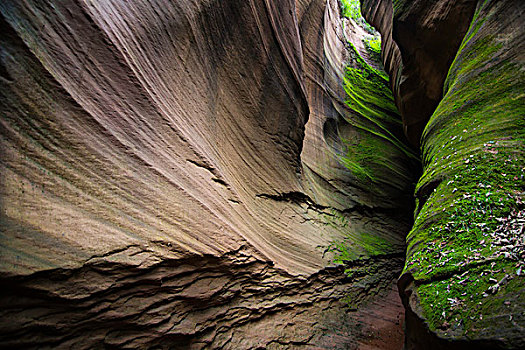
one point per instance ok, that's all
(184, 174)
(173, 176)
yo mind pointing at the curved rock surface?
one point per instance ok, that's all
(161, 185)
(420, 41)
(462, 284)
(194, 174)
(466, 250)
(456, 70)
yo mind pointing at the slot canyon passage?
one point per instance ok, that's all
(262, 174)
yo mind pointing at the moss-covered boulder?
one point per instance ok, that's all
(464, 278)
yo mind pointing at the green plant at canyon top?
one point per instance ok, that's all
(352, 9)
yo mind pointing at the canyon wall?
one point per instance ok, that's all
(420, 40)
(462, 284)
(225, 174)
(173, 176)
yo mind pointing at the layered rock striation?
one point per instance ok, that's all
(225, 174)
(173, 177)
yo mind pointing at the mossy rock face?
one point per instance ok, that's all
(377, 155)
(352, 9)
(465, 274)
(428, 35)
(372, 146)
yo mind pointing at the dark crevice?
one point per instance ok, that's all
(301, 198)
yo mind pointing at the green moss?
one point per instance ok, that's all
(474, 169)
(358, 245)
(373, 46)
(362, 157)
(369, 95)
(465, 302)
(373, 147)
(400, 7)
(342, 252)
(375, 245)
(371, 100)
(336, 219)
(352, 9)
(375, 156)
(463, 211)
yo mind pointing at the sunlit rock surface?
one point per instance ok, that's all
(169, 178)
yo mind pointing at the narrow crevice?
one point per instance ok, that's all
(301, 198)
